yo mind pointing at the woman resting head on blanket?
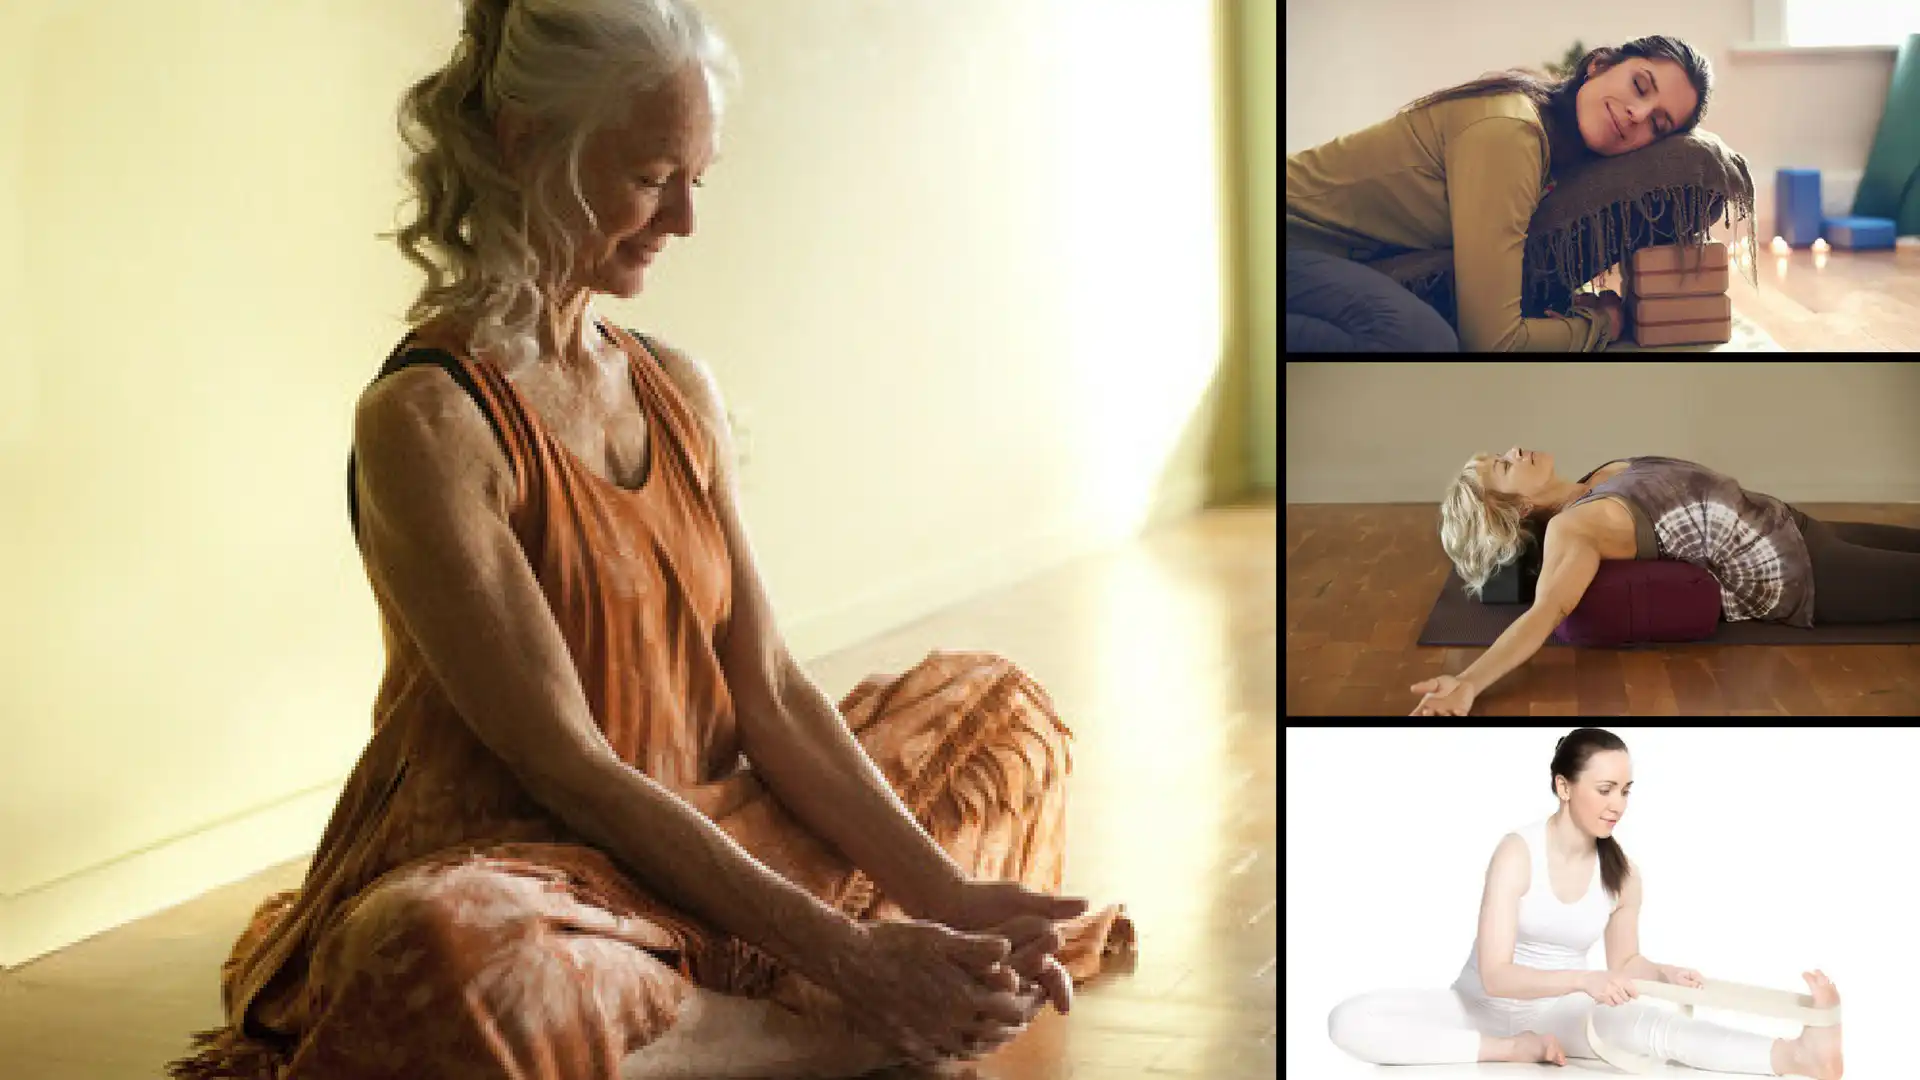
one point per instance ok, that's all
(1615, 101)
(1464, 170)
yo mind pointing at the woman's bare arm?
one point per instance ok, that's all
(790, 730)
(434, 493)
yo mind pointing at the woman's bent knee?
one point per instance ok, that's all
(1337, 305)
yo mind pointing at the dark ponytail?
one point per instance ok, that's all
(1570, 756)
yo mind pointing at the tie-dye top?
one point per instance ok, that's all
(1748, 541)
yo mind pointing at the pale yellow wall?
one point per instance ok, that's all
(1260, 68)
(16, 389)
(1394, 432)
(959, 273)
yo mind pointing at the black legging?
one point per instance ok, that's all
(1862, 572)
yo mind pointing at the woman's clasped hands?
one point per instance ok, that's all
(935, 990)
(933, 993)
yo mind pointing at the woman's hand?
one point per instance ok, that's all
(1610, 305)
(1608, 987)
(982, 905)
(923, 989)
(1025, 918)
(1680, 976)
(1445, 696)
(1034, 965)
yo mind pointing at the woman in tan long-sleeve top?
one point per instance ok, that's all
(606, 826)
(1464, 169)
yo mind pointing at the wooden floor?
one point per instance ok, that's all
(1160, 655)
(1362, 578)
(1843, 301)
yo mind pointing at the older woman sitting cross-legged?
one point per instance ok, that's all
(606, 825)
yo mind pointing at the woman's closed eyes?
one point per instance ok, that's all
(1644, 85)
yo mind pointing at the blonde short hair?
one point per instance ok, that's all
(1481, 529)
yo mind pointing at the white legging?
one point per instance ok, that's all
(1440, 1027)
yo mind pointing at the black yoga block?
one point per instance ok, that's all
(1514, 583)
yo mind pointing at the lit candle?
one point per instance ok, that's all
(1820, 246)
(1780, 245)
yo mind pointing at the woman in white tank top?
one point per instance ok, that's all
(1539, 931)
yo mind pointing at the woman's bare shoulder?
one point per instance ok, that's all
(1606, 523)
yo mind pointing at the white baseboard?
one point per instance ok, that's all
(80, 905)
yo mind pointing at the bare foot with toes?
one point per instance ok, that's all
(1819, 1047)
(1528, 1046)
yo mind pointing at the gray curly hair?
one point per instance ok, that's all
(573, 66)
(1481, 529)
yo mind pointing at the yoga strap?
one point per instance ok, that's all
(1714, 994)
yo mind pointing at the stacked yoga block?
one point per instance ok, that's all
(1798, 221)
(1676, 294)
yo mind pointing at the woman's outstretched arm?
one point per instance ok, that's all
(1569, 561)
(1515, 646)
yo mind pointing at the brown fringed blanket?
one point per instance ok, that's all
(1602, 210)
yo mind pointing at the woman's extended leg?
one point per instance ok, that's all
(1666, 1035)
(1338, 305)
(1879, 537)
(1863, 572)
(1415, 1027)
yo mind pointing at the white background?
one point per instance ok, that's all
(1764, 852)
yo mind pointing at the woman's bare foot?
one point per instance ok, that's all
(1819, 1047)
(1528, 1046)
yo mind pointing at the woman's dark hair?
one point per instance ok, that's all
(1570, 760)
(1555, 97)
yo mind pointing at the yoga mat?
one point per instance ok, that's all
(1458, 620)
(1890, 187)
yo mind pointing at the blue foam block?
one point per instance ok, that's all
(1858, 233)
(1796, 205)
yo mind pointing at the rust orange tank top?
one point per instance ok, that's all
(639, 581)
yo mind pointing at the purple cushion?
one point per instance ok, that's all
(1636, 600)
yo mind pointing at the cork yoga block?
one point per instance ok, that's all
(1677, 270)
(1682, 320)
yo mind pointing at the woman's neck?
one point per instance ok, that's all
(1565, 840)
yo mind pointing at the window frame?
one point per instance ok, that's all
(1772, 32)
